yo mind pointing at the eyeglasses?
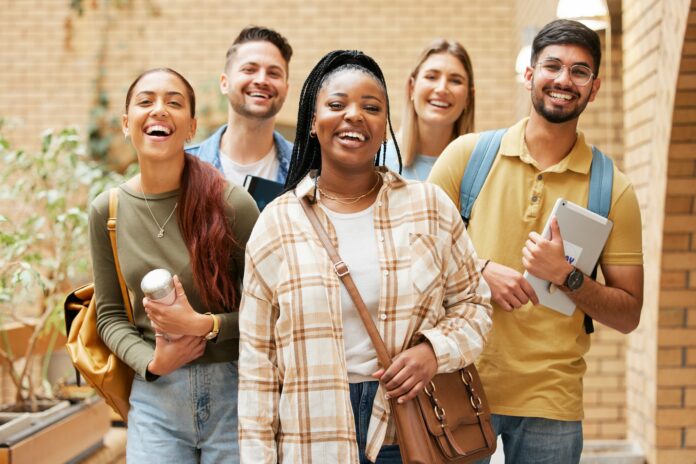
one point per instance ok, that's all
(579, 73)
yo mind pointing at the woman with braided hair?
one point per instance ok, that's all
(311, 389)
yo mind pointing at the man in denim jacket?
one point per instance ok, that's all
(255, 81)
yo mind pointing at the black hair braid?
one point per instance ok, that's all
(306, 152)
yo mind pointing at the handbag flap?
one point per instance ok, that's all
(456, 405)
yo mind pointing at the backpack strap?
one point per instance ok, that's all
(601, 182)
(477, 170)
(599, 200)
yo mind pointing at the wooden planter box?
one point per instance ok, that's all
(75, 434)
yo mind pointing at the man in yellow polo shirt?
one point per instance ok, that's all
(532, 366)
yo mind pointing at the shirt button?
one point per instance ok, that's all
(540, 177)
(534, 198)
(386, 273)
(383, 317)
(379, 203)
(381, 238)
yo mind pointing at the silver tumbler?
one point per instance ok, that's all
(158, 285)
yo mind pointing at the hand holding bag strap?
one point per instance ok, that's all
(344, 274)
(111, 225)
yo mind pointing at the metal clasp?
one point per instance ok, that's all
(341, 272)
(431, 390)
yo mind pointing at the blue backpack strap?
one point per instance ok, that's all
(601, 182)
(599, 199)
(477, 170)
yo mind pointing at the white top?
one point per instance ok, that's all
(357, 247)
(267, 167)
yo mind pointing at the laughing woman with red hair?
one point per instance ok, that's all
(181, 215)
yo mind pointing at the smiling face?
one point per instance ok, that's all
(559, 100)
(350, 120)
(440, 89)
(159, 115)
(256, 80)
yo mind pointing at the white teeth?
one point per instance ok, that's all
(158, 128)
(255, 94)
(439, 104)
(560, 95)
(353, 135)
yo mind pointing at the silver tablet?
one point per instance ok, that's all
(584, 235)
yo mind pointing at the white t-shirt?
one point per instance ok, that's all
(357, 246)
(267, 167)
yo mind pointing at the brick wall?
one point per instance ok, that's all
(676, 372)
(652, 45)
(602, 123)
(52, 56)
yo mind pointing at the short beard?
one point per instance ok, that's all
(552, 116)
(243, 110)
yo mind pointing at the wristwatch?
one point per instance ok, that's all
(574, 280)
(216, 327)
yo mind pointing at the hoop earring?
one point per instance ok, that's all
(312, 134)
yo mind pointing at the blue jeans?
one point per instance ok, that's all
(533, 440)
(188, 416)
(362, 395)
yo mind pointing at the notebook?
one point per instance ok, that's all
(262, 190)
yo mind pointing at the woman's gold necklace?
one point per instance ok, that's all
(348, 200)
(160, 232)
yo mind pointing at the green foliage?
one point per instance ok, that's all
(44, 247)
(43, 225)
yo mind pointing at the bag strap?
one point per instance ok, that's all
(601, 182)
(599, 200)
(111, 225)
(344, 274)
(477, 169)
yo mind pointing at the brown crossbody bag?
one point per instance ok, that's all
(449, 421)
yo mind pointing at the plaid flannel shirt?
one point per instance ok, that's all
(294, 401)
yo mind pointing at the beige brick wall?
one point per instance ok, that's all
(653, 37)
(45, 84)
(676, 376)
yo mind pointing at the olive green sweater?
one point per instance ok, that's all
(140, 251)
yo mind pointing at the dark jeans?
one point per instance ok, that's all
(362, 395)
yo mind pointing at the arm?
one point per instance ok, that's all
(112, 322)
(617, 304)
(259, 379)
(458, 337)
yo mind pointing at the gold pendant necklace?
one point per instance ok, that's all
(160, 228)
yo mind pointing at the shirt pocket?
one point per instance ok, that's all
(426, 263)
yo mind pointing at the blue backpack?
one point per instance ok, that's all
(481, 161)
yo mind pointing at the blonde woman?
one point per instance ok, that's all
(439, 107)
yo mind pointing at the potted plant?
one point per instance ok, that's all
(44, 253)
